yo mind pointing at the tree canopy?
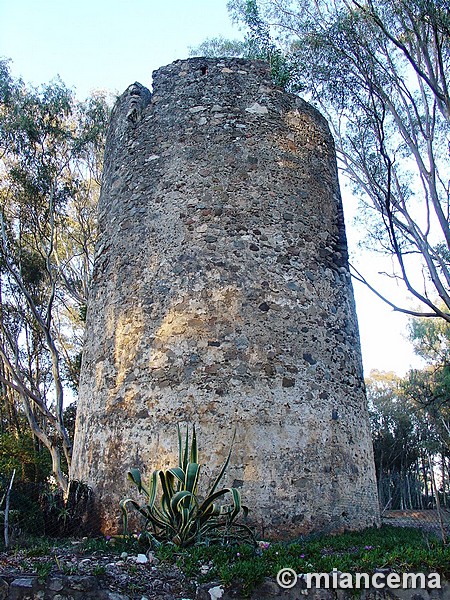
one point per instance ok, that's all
(50, 161)
(378, 70)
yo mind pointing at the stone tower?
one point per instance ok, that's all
(221, 296)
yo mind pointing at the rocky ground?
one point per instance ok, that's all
(427, 520)
(132, 576)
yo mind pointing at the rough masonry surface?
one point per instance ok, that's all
(221, 297)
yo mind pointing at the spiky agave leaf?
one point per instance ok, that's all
(186, 451)
(223, 469)
(236, 503)
(178, 499)
(134, 475)
(193, 457)
(192, 477)
(212, 498)
(180, 448)
(167, 493)
(178, 473)
(149, 515)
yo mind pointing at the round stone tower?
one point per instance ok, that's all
(221, 297)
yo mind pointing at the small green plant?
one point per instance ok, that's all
(38, 547)
(178, 515)
(69, 569)
(110, 544)
(43, 570)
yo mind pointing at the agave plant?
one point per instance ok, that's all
(177, 514)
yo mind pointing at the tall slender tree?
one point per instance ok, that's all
(50, 149)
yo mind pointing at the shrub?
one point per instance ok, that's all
(65, 516)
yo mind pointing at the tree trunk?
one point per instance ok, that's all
(6, 523)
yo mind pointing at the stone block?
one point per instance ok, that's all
(4, 589)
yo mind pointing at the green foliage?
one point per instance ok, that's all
(43, 570)
(115, 544)
(33, 468)
(66, 515)
(260, 45)
(31, 462)
(51, 149)
(37, 546)
(394, 421)
(365, 551)
(25, 515)
(431, 340)
(402, 436)
(179, 515)
(429, 388)
(220, 47)
(395, 548)
(257, 45)
(37, 508)
(70, 414)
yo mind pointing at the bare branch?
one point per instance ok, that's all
(359, 277)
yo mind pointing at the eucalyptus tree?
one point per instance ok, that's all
(379, 71)
(50, 149)
(429, 387)
(398, 441)
(220, 46)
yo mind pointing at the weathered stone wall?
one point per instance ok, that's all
(56, 587)
(60, 587)
(221, 296)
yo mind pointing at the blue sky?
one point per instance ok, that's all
(104, 44)
(100, 44)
